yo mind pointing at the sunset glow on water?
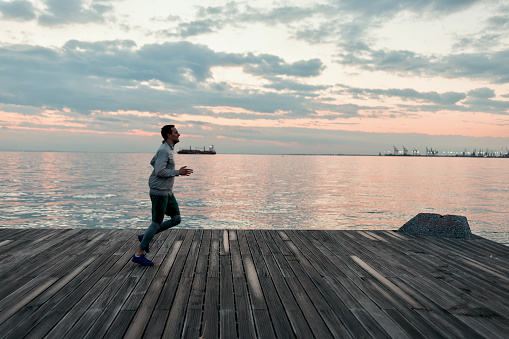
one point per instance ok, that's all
(110, 190)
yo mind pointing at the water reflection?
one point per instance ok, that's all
(254, 191)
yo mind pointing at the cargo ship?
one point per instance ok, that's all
(211, 150)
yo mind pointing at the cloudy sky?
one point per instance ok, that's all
(314, 76)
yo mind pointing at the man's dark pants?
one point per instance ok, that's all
(161, 206)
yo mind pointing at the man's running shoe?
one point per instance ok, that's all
(142, 260)
(140, 238)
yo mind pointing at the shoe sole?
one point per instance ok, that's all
(137, 263)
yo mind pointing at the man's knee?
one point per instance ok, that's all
(155, 226)
(175, 220)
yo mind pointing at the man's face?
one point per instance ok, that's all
(174, 136)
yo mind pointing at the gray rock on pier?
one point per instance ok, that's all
(436, 225)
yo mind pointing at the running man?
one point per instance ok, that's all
(161, 192)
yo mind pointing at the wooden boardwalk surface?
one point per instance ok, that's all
(251, 284)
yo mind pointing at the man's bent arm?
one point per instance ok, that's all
(160, 167)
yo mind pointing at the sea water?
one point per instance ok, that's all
(231, 191)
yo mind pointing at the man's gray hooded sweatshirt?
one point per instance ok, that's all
(164, 173)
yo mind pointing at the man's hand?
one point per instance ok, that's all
(185, 171)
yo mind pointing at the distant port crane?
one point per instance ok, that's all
(405, 151)
(481, 153)
(431, 151)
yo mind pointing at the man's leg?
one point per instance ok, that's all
(173, 211)
(174, 221)
(147, 236)
(159, 204)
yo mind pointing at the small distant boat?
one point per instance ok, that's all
(211, 150)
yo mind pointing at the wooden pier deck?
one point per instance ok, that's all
(251, 284)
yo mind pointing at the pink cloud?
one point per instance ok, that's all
(74, 130)
(431, 123)
(277, 143)
(238, 110)
(141, 133)
(127, 113)
(229, 138)
(191, 136)
(46, 118)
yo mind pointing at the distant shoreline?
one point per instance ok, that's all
(279, 154)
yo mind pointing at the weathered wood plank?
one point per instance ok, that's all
(341, 299)
(32, 264)
(227, 321)
(457, 276)
(446, 301)
(192, 322)
(143, 298)
(73, 295)
(344, 288)
(120, 305)
(263, 325)
(175, 321)
(245, 319)
(210, 322)
(281, 324)
(251, 284)
(299, 323)
(39, 309)
(324, 301)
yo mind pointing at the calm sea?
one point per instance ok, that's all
(109, 190)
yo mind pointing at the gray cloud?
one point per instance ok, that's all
(230, 9)
(448, 98)
(493, 66)
(213, 19)
(389, 7)
(313, 35)
(345, 19)
(479, 42)
(350, 34)
(272, 65)
(481, 100)
(295, 87)
(60, 12)
(180, 63)
(281, 15)
(198, 27)
(113, 75)
(489, 37)
(233, 14)
(107, 75)
(17, 10)
(349, 23)
(363, 10)
(343, 111)
(501, 20)
(482, 93)
(476, 100)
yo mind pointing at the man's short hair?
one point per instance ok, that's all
(165, 130)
